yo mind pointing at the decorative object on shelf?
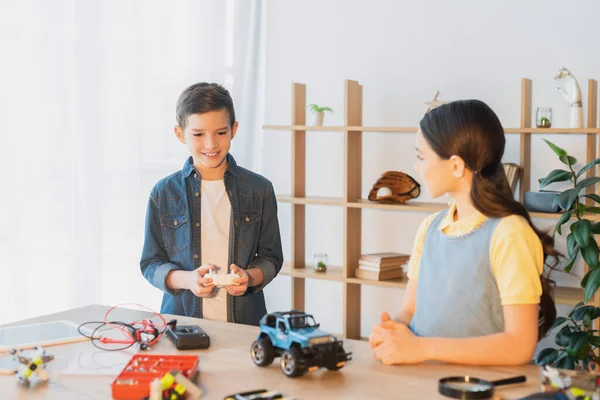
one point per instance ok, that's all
(578, 343)
(320, 262)
(512, 172)
(542, 201)
(394, 187)
(319, 113)
(381, 266)
(434, 102)
(572, 94)
(543, 117)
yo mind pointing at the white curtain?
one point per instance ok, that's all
(87, 108)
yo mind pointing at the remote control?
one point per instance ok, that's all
(220, 280)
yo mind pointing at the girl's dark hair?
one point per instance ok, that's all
(201, 98)
(471, 130)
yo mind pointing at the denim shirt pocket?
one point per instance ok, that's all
(249, 228)
(175, 231)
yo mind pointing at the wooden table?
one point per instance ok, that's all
(226, 368)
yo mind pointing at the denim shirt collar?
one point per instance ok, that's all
(232, 167)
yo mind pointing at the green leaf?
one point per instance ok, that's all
(563, 219)
(562, 199)
(592, 285)
(546, 356)
(581, 231)
(581, 303)
(596, 313)
(566, 363)
(585, 278)
(593, 196)
(577, 341)
(572, 259)
(571, 243)
(559, 152)
(590, 254)
(581, 210)
(588, 182)
(557, 175)
(587, 319)
(574, 194)
(595, 228)
(580, 313)
(558, 322)
(595, 210)
(568, 160)
(588, 166)
(563, 336)
(594, 340)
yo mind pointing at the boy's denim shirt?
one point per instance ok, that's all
(172, 238)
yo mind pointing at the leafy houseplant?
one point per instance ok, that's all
(576, 339)
(319, 112)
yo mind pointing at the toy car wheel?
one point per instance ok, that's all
(262, 352)
(290, 363)
(331, 359)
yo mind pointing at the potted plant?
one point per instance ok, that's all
(319, 113)
(577, 341)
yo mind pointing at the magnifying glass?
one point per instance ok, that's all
(467, 387)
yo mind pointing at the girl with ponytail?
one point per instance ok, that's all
(476, 293)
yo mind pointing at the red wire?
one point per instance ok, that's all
(140, 322)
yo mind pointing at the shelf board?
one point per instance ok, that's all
(562, 294)
(285, 199)
(568, 295)
(334, 273)
(399, 283)
(414, 129)
(324, 201)
(409, 206)
(552, 130)
(323, 128)
(414, 206)
(354, 128)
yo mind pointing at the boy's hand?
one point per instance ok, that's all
(196, 281)
(240, 285)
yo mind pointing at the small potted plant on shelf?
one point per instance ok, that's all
(577, 342)
(319, 113)
(320, 262)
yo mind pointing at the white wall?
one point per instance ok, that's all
(402, 52)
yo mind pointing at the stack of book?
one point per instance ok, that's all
(381, 266)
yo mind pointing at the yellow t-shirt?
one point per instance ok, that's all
(516, 254)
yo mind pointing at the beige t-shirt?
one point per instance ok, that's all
(215, 220)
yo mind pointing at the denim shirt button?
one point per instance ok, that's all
(175, 222)
(247, 219)
(196, 256)
(195, 175)
(197, 225)
(196, 194)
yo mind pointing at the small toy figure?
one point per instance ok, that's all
(174, 386)
(296, 338)
(32, 371)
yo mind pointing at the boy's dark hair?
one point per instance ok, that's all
(472, 131)
(201, 98)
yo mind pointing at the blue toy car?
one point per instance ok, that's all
(296, 338)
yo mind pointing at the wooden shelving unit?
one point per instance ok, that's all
(353, 204)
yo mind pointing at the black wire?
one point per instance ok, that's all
(132, 330)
